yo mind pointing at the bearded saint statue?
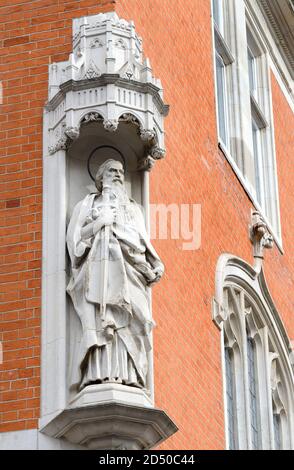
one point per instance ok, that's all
(113, 348)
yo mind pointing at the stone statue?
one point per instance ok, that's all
(116, 339)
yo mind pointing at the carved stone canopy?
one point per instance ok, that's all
(106, 79)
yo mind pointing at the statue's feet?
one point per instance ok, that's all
(113, 380)
(133, 384)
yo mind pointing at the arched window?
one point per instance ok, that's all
(231, 397)
(258, 377)
(253, 394)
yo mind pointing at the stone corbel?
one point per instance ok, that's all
(152, 154)
(147, 135)
(260, 237)
(104, 417)
(146, 163)
(157, 153)
(152, 151)
(72, 132)
(219, 314)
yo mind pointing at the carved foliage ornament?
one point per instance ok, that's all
(152, 152)
(110, 125)
(96, 43)
(277, 386)
(92, 71)
(68, 134)
(91, 117)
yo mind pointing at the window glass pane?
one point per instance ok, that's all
(254, 412)
(258, 164)
(221, 97)
(256, 151)
(277, 431)
(217, 6)
(252, 72)
(230, 398)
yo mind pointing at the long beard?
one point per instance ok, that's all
(119, 192)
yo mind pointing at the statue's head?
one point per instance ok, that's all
(111, 171)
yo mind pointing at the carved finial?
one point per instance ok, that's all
(259, 235)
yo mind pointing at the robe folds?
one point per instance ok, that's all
(131, 259)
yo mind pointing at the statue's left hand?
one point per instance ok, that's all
(158, 272)
(149, 325)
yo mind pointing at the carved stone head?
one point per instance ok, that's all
(111, 171)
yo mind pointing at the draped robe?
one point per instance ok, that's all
(123, 357)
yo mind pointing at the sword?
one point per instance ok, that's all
(105, 237)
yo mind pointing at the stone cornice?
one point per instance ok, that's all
(106, 79)
(279, 16)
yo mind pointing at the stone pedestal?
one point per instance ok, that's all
(112, 417)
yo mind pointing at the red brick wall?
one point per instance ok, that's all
(177, 39)
(33, 34)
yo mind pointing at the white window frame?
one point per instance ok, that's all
(223, 80)
(261, 115)
(220, 10)
(241, 105)
(258, 151)
(222, 50)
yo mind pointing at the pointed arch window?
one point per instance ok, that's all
(253, 397)
(280, 406)
(231, 398)
(258, 376)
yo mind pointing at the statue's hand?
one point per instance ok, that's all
(158, 272)
(107, 217)
(148, 327)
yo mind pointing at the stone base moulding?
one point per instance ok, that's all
(111, 417)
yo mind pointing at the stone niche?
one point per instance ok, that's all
(103, 103)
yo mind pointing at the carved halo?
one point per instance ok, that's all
(91, 159)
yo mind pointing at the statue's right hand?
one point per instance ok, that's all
(107, 217)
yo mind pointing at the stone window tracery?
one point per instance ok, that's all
(257, 368)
